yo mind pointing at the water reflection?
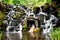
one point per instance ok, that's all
(33, 36)
(14, 35)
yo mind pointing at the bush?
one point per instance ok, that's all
(55, 34)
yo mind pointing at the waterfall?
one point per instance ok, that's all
(9, 25)
(48, 24)
(42, 13)
(10, 14)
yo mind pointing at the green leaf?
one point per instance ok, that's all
(30, 3)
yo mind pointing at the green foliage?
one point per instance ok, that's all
(19, 2)
(25, 26)
(7, 1)
(0, 0)
(55, 34)
(59, 13)
(0, 35)
(30, 3)
(1, 22)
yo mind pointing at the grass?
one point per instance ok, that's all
(55, 34)
(0, 35)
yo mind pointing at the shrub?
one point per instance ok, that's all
(55, 34)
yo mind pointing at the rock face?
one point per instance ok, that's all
(32, 28)
(4, 7)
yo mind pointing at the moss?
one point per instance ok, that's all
(25, 26)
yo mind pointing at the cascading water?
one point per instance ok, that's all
(48, 24)
(9, 19)
(9, 22)
(27, 11)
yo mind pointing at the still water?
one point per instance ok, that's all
(25, 36)
(33, 36)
